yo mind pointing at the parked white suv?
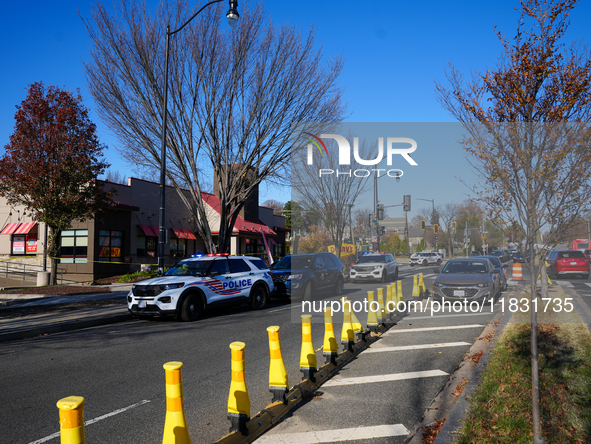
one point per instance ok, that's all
(194, 284)
(425, 258)
(377, 266)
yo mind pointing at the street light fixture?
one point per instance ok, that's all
(232, 16)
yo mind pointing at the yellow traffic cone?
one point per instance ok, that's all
(71, 420)
(307, 355)
(175, 423)
(415, 287)
(278, 381)
(238, 401)
(330, 349)
(372, 317)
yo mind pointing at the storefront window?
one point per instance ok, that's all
(146, 246)
(178, 247)
(74, 246)
(110, 246)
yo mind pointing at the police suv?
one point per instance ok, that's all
(425, 258)
(197, 283)
(375, 267)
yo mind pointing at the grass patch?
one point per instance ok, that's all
(501, 407)
(137, 276)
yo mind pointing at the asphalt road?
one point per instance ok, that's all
(118, 369)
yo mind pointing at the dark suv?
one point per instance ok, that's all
(305, 274)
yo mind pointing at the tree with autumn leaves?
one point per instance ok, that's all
(52, 162)
(528, 136)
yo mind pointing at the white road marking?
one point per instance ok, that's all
(383, 378)
(285, 308)
(92, 421)
(564, 283)
(415, 347)
(587, 284)
(382, 431)
(451, 327)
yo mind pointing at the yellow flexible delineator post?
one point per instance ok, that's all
(372, 317)
(400, 295)
(389, 302)
(71, 420)
(395, 294)
(357, 327)
(308, 354)
(381, 311)
(548, 277)
(421, 285)
(348, 332)
(238, 400)
(415, 287)
(330, 348)
(175, 424)
(278, 380)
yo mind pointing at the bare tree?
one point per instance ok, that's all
(232, 97)
(328, 194)
(525, 134)
(447, 214)
(275, 204)
(115, 176)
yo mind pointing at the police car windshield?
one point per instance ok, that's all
(372, 258)
(189, 268)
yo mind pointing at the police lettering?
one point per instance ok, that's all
(238, 284)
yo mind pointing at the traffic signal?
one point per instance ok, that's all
(406, 202)
(436, 228)
(453, 229)
(383, 229)
(483, 235)
(380, 212)
(423, 225)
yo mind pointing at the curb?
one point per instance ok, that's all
(64, 326)
(460, 409)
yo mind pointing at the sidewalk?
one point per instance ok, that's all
(45, 323)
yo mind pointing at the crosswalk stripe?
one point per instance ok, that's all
(415, 347)
(383, 378)
(449, 327)
(564, 283)
(382, 431)
(587, 284)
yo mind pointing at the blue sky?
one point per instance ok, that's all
(394, 51)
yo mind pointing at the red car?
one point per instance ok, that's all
(567, 262)
(587, 254)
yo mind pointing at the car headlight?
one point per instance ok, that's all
(294, 277)
(165, 287)
(378, 267)
(437, 284)
(488, 284)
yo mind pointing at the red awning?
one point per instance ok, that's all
(25, 228)
(10, 228)
(147, 229)
(272, 242)
(182, 233)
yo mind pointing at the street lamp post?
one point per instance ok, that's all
(432, 218)
(232, 16)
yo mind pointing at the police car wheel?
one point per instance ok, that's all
(425, 262)
(191, 308)
(258, 298)
(395, 278)
(385, 276)
(308, 292)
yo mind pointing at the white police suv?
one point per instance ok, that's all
(197, 283)
(375, 267)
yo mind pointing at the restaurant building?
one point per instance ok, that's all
(125, 238)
